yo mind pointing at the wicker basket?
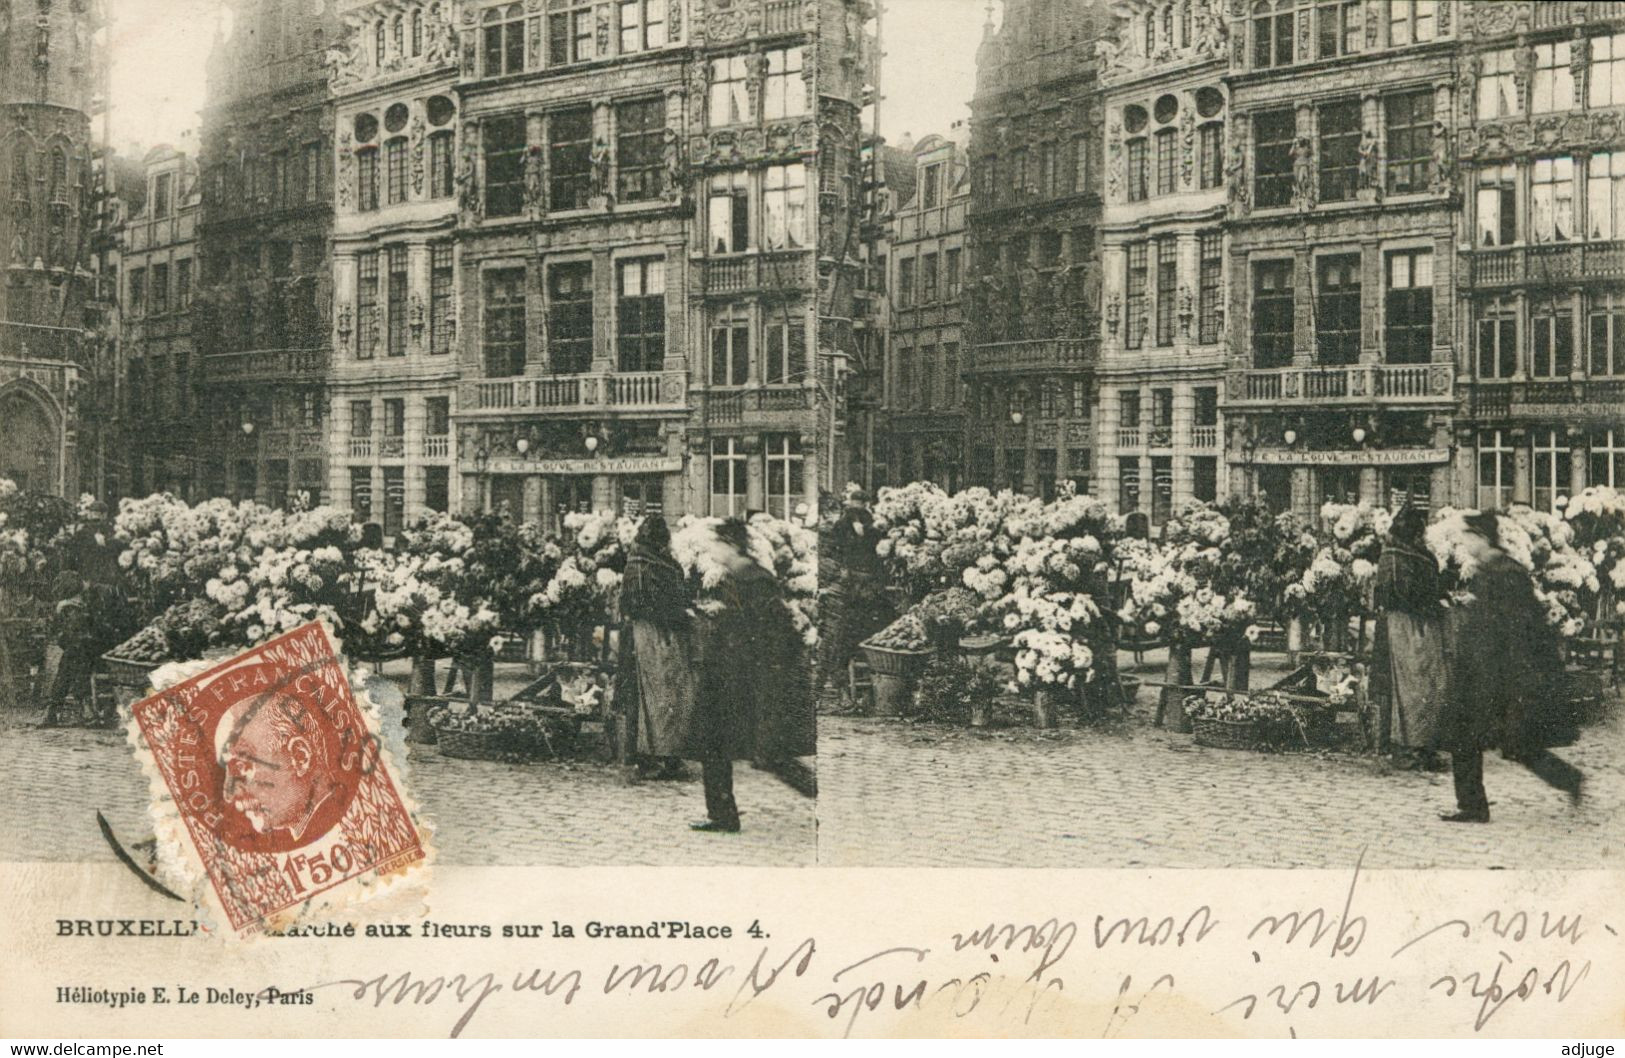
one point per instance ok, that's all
(888, 661)
(502, 746)
(1229, 734)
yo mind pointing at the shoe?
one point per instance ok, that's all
(712, 826)
(1466, 817)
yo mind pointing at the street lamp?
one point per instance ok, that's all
(248, 429)
(1359, 435)
(592, 442)
(1290, 436)
(522, 445)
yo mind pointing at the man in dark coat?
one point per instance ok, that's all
(658, 665)
(1505, 678)
(854, 604)
(755, 700)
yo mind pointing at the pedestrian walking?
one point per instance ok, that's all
(1409, 677)
(657, 667)
(72, 651)
(754, 696)
(1505, 677)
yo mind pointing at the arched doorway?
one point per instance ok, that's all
(30, 443)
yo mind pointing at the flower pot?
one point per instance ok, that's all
(1178, 677)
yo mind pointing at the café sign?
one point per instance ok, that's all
(1376, 457)
(622, 465)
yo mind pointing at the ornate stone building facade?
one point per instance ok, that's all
(262, 316)
(657, 236)
(1540, 106)
(392, 387)
(1343, 208)
(1162, 329)
(1033, 290)
(50, 70)
(158, 276)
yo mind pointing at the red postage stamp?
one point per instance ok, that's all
(281, 782)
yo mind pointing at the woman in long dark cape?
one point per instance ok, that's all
(659, 670)
(1410, 673)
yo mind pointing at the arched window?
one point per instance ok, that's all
(1185, 24)
(1273, 39)
(59, 175)
(1168, 25)
(1150, 33)
(417, 32)
(20, 178)
(378, 43)
(367, 178)
(398, 36)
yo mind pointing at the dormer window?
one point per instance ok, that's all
(931, 186)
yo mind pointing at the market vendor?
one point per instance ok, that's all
(1409, 687)
(855, 604)
(73, 640)
(658, 662)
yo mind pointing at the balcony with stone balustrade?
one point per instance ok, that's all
(267, 365)
(624, 392)
(1350, 384)
(1033, 356)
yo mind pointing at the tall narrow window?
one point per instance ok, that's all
(728, 213)
(1210, 288)
(503, 340)
(183, 283)
(729, 464)
(442, 166)
(1410, 141)
(1339, 150)
(639, 142)
(930, 276)
(366, 304)
(1080, 165)
(785, 93)
(640, 315)
(1136, 170)
(417, 32)
(730, 352)
(1554, 78)
(1273, 314)
(1550, 467)
(1608, 336)
(1167, 289)
(1272, 33)
(1412, 21)
(1167, 161)
(784, 350)
(569, 158)
(1551, 199)
(367, 178)
(1605, 195)
(160, 195)
(361, 418)
(504, 40)
(1498, 86)
(1495, 469)
(314, 182)
(1497, 205)
(951, 275)
(395, 169)
(784, 205)
(1497, 341)
(570, 31)
(1021, 180)
(1134, 296)
(1408, 325)
(730, 99)
(138, 291)
(1210, 151)
(160, 289)
(1605, 76)
(1337, 308)
(569, 317)
(1607, 458)
(397, 301)
(504, 144)
(643, 25)
(440, 297)
(1337, 28)
(1273, 133)
(1552, 350)
(905, 282)
(931, 186)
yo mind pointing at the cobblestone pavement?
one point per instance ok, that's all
(54, 780)
(1131, 795)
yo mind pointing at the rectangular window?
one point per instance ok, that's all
(160, 288)
(639, 145)
(183, 283)
(437, 416)
(728, 212)
(643, 25)
(928, 376)
(1552, 348)
(1608, 336)
(784, 95)
(394, 500)
(730, 97)
(1046, 169)
(397, 301)
(729, 464)
(1408, 335)
(951, 275)
(1410, 141)
(569, 317)
(640, 315)
(1272, 36)
(950, 375)
(440, 297)
(160, 195)
(569, 158)
(1273, 133)
(570, 32)
(1495, 470)
(1497, 205)
(785, 354)
(642, 494)
(1337, 28)
(1167, 290)
(1210, 155)
(1337, 308)
(1080, 165)
(931, 186)
(1134, 296)
(784, 206)
(1162, 488)
(1606, 73)
(1128, 484)
(394, 417)
(503, 340)
(1205, 478)
(1340, 129)
(314, 183)
(504, 141)
(1162, 408)
(1554, 78)
(366, 304)
(1167, 161)
(1019, 176)
(1273, 314)
(1210, 288)
(1551, 467)
(437, 488)
(730, 353)
(1497, 342)
(903, 394)
(395, 170)
(1128, 409)
(1498, 87)
(1412, 21)
(361, 493)
(504, 41)
(928, 279)
(1607, 459)
(1136, 170)
(1551, 199)
(905, 283)
(442, 166)
(366, 161)
(1605, 195)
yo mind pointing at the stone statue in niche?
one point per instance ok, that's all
(468, 192)
(671, 158)
(417, 154)
(1235, 178)
(346, 188)
(1303, 172)
(42, 41)
(1444, 159)
(755, 80)
(1370, 168)
(600, 167)
(534, 191)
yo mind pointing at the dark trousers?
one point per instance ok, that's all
(717, 774)
(1467, 765)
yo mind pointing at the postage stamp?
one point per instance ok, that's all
(286, 797)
